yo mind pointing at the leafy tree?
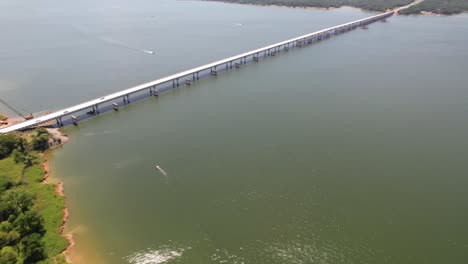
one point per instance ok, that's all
(13, 202)
(40, 142)
(8, 236)
(42, 131)
(5, 183)
(32, 249)
(28, 223)
(8, 143)
(8, 255)
(18, 156)
(21, 157)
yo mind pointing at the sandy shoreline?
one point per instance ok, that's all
(59, 187)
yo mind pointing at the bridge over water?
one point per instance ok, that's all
(73, 114)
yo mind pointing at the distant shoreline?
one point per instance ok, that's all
(420, 13)
(293, 6)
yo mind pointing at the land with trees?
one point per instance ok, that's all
(31, 212)
(446, 7)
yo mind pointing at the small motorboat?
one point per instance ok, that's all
(163, 172)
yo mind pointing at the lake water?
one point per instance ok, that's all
(352, 150)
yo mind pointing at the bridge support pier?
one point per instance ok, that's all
(115, 106)
(214, 71)
(126, 99)
(59, 121)
(156, 93)
(74, 120)
(151, 89)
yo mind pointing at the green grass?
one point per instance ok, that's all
(10, 170)
(3, 118)
(50, 206)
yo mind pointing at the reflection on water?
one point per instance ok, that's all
(152, 256)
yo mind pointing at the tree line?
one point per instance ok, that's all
(21, 225)
(435, 6)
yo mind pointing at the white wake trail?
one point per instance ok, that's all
(111, 41)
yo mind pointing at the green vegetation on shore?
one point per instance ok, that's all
(3, 118)
(434, 6)
(374, 5)
(445, 7)
(31, 212)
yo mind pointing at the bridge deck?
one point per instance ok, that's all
(89, 104)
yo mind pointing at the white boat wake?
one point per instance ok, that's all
(110, 41)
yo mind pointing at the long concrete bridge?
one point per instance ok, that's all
(113, 101)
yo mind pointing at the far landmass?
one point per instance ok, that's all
(445, 7)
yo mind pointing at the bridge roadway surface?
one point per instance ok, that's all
(298, 41)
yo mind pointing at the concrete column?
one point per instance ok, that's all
(74, 120)
(115, 106)
(59, 121)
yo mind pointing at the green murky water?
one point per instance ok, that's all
(352, 150)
